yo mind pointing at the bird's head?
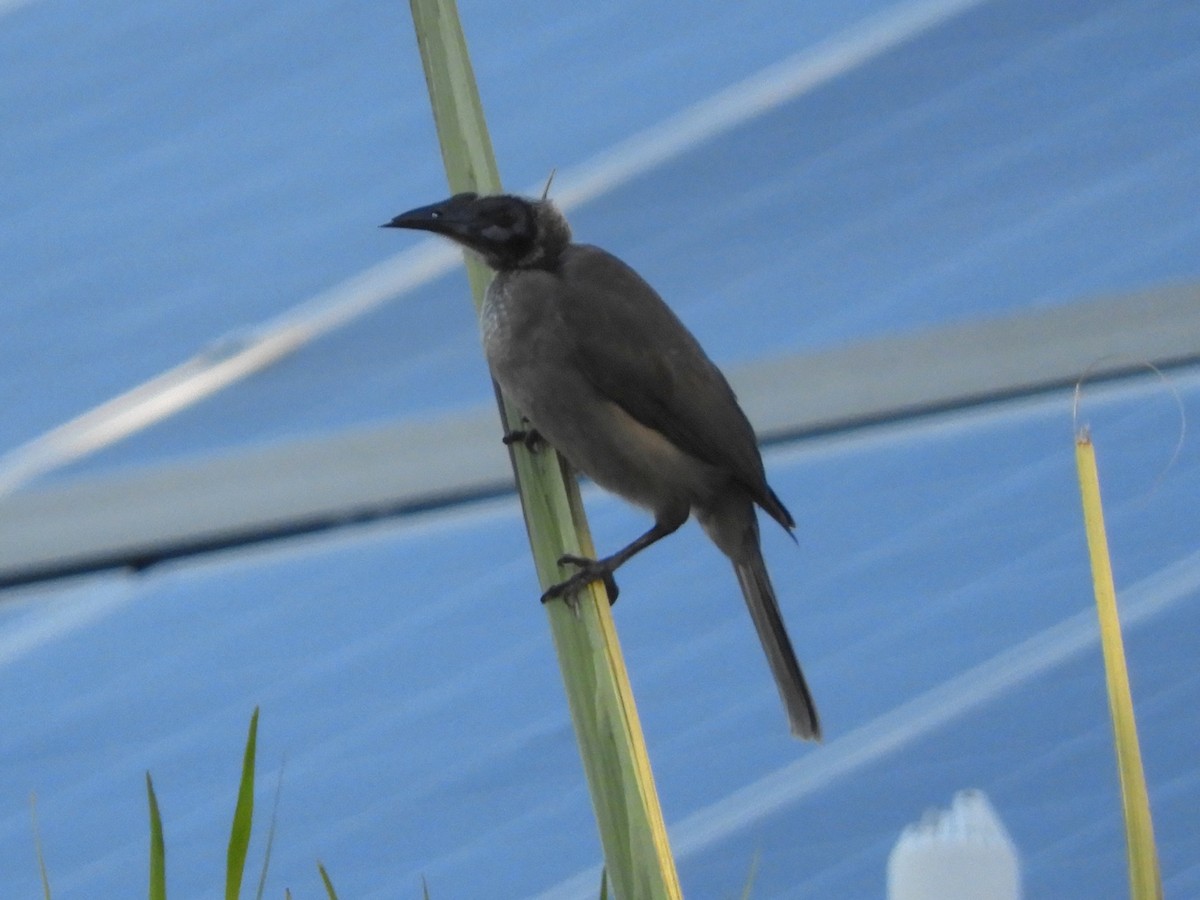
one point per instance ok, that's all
(509, 232)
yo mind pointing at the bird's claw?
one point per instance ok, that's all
(530, 437)
(589, 570)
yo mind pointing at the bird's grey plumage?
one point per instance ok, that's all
(609, 376)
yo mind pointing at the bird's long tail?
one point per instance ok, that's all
(764, 610)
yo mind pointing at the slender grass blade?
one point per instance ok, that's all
(158, 847)
(1145, 881)
(327, 881)
(37, 846)
(243, 814)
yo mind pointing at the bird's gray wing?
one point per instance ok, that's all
(636, 353)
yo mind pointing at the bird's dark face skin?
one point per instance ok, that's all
(503, 229)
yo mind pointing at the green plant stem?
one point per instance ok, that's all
(637, 855)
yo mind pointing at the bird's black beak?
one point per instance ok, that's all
(424, 218)
(450, 218)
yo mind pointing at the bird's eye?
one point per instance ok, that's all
(436, 214)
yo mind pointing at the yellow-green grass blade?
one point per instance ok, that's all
(1145, 882)
(327, 881)
(262, 877)
(37, 846)
(633, 836)
(158, 847)
(753, 873)
(243, 814)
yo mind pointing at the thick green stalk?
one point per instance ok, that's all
(636, 852)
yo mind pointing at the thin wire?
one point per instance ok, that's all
(1164, 379)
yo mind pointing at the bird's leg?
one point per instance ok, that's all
(602, 569)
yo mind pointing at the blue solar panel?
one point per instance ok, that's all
(185, 171)
(984, 166)
(409, 691)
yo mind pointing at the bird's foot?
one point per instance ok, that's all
(589, 570)
(530, 437)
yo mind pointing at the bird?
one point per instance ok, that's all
(608, 375)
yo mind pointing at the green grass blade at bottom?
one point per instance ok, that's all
(37, 845)
(243, 814)
(325, 880)
(262, 878)
(158, 847)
